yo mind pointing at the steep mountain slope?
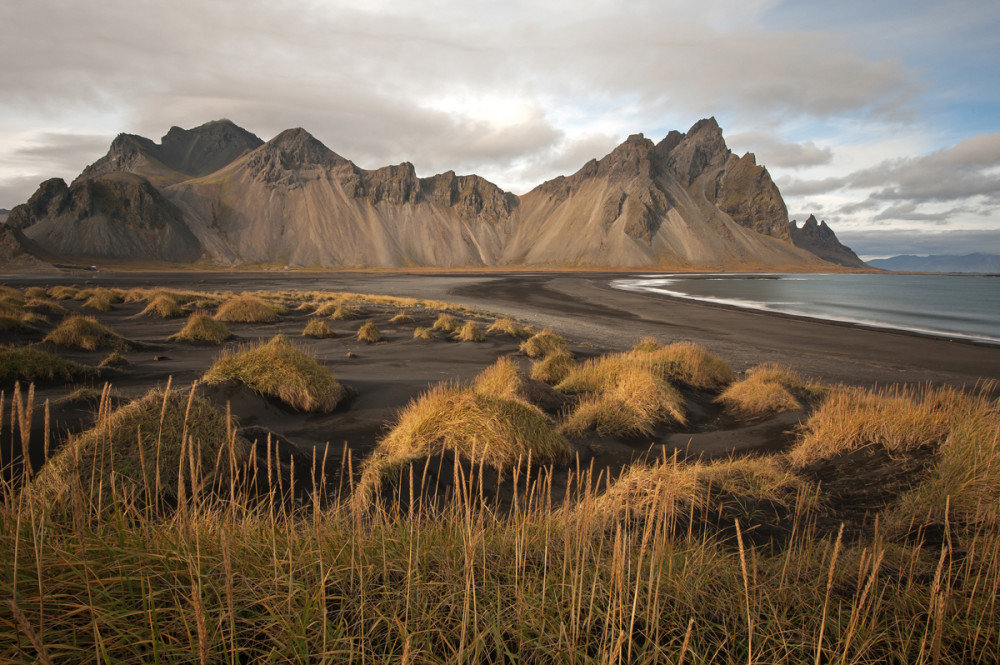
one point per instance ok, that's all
(686, 201)
(818, 238)
(217, 192)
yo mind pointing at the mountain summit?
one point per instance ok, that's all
(219, 193)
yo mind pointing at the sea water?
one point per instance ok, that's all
(957, 306)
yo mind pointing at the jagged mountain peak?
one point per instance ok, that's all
(818, 238)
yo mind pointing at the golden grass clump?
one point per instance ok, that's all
(279, 369)
(369, 333)
(673, 491)
(544, 343)
(767, 389)
(553, 368)
(37, 292)
(9, 323)
(85, 333)
(100, 299)
(136, 451)
(446, 323)
(337, 311)
(485, 423)
(691, 364)
(163, 306)
(202, 328)
(248, 309)
(627, 399)
(422, 333)
(508, 326)
(45, 307)
(648, 345)
(28, 364)
(502, 380)
(114, 360)
(317, 328)
(897, 419)
(63, 292)
(470, 332)
(401, 318)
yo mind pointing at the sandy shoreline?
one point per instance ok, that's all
(584, 307)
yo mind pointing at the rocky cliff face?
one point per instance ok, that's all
(217, 191)
(818, 238)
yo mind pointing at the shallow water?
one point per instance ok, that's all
(964, 306)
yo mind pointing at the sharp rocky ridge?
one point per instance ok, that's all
(218, 194)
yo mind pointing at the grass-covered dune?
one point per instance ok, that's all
(570, 525)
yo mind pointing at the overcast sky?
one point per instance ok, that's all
(879, 117)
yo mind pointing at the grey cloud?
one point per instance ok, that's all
(790, 186)
(772, 151)
(910, 213)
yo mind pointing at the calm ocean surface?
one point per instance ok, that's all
(949, 305)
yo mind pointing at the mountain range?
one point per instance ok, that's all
(218, 194)
(969, 263)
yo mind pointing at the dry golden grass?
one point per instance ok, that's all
(544, 343)
(201, 328)
(100, 299)
(85, 333)
(766, 390)
(163, 306)
(138, 448)
(422, 333)
(470, 332)
(37, 292)
(114, 360)
(369, 333)
(553, 368)
(279, 369)
(648, 345)
(63, 292)
(897, 419)
(28, 364)
(338, 312)
(507, 326)
(45, 307)
(672, 491)
(446, 323)
(248, 309)
(488, 423)
(690, 363)
(401, 318)
(317, 328)
(9, 323)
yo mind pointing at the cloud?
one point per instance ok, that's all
(909, 212)
(790, 186)
(772, 151)
(882, 243)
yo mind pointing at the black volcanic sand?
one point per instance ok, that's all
(596, 318)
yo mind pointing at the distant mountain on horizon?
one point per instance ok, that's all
(220, 195)
(968, 263)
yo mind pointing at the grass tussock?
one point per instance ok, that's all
(544, 343)
(202, 328)
(446, 323)
(29, 364)
(647, 345)
(488, 422)
(86, 334)
(318, 329)
(63, 292)
(676, 491)
(140, 451)
(248, 309)
(281, 370)
(553, 368)
(45, 307)
(510, 327)
(401, 318)
(114, 360)
(896, 419)
(766, 390)
(36, 292)
(12, 324)
(163, 306)
(691, 364)
(422, 333)
(99, 299)
(369, 333)
(470, 332)
(338, 311)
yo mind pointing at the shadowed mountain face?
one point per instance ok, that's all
(217, 192)
(818, 238)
